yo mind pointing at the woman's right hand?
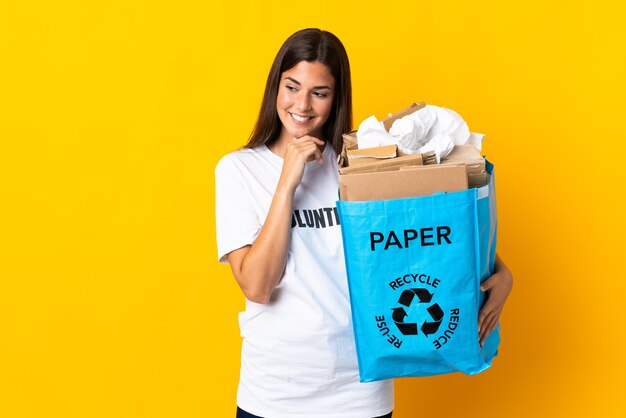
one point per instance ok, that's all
(297, 153)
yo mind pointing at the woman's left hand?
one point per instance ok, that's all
(498, 286)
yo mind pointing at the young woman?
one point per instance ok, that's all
(298, 355)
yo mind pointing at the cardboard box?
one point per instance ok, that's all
(410, 181)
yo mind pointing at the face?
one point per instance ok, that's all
(305, 99)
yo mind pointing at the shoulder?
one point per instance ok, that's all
(234, 161)
(234, 157)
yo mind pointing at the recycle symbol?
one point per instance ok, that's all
(410, 328)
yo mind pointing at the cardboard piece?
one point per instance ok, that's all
(429, 158)
(390, 164)
(405, 182)
(474, 162)
(371, 155)
(465, 153)
(387, 122)
(351, 165)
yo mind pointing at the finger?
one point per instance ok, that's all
(484, 313)
(318, 157)
(488, 284)
(303, 146)
(493, 322)
(481, 319)
(318, 141)
(310, 151)
(486, 330)
(311, 138)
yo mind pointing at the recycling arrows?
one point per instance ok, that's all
(407, 296)
(398, 317)
(437, 315)
(398, 314)
(409, 328)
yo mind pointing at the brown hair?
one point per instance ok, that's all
(308, 45)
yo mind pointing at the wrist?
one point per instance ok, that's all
(284, 191)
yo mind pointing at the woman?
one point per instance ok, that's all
(298, 354)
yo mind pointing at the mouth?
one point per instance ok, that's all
(300, 118)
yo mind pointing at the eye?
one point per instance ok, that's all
(291, 88)
(320, 94)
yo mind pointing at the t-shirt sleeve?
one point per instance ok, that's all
(237, 223)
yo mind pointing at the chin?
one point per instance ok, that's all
(298, 133)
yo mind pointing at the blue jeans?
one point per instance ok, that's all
(243, 414)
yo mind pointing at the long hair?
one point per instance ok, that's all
(308, 45)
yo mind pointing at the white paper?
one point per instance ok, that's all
(372, 134)
(431, 128)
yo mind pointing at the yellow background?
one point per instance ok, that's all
(114, 114)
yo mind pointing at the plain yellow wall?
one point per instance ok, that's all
(114, 113)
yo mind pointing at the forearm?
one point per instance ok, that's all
(259, 267)
(500, 267)
(264, 263)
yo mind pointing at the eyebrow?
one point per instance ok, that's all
(314, 87)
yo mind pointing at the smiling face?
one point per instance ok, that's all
(305, 99)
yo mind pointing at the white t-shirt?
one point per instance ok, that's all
(298, 355)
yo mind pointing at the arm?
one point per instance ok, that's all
(498, 286)
(259, 267)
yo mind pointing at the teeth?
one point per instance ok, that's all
(300, 118)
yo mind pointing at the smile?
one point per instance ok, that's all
(299, 118)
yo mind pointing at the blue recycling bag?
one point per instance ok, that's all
(414, 269)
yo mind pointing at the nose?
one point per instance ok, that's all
(303, 102)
